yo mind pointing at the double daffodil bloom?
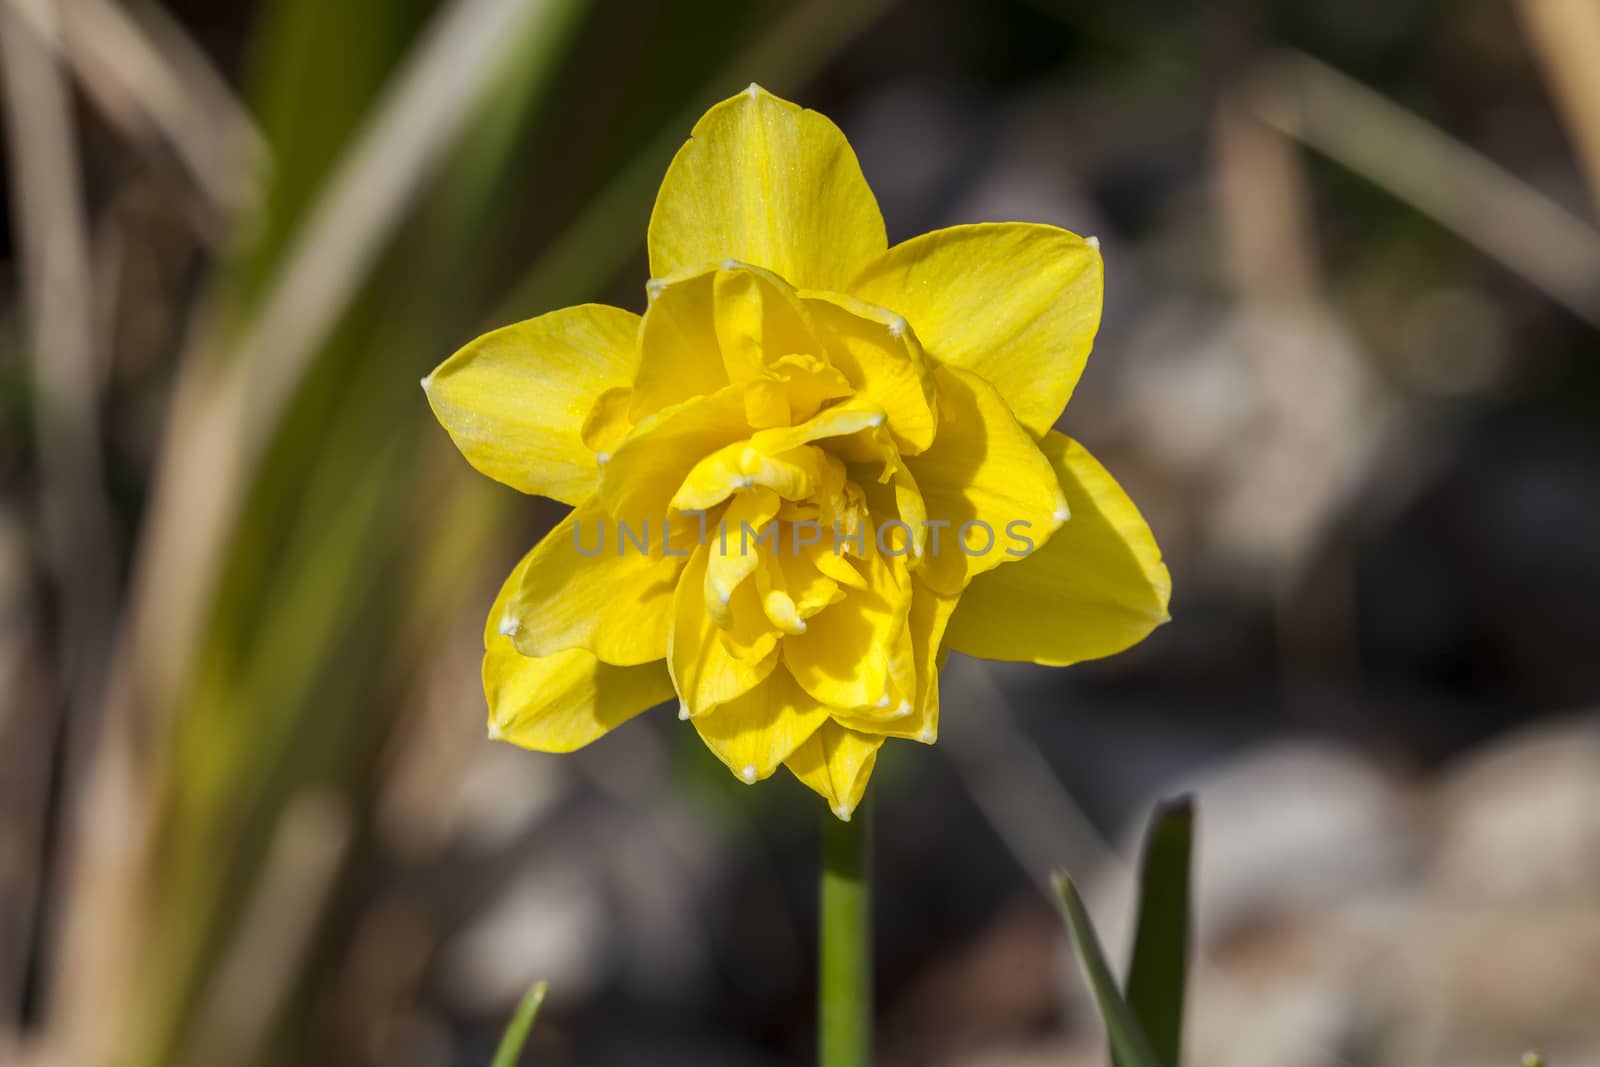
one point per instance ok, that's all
(814, 466)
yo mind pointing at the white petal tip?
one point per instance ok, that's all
(509, 626)
(753, 90)
(654, 288)
(1092, 242)
(683, 711)
(602, 458)
(730, 264)
(427, 383)
(842, 811)
(724, 595)
(1062, 514)
(876, 420)
(897, 326)
(903, 710)
(798, 627)
(927, 736)
(744, 481)
(495, 732)
(883, 701)
(748, 773)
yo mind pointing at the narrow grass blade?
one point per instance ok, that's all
(1156, 975)
(1129, 1048)
(521, 1026)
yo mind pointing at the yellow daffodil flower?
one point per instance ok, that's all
(814, 466)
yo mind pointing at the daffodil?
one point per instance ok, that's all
(814, 466)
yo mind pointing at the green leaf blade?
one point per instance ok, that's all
(1157, 975)
(1129, 1047)
(521, 1025)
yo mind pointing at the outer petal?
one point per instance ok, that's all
(1095, 588)
(762, 181)
(515, 400)
(561, 702)
(584, 586)
(1019, 303)
(754, 733)
(983, 469)
(836, 762)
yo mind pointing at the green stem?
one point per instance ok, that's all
(844, 1010)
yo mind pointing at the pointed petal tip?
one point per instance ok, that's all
(508, 625)
(495, 733)
(749, 774)
(683, 711)
(928, 735)
(427, 383)
(1092, 242)
(842, 811)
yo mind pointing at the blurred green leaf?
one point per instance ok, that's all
(520, 1027)
(1129, 1047)
(1156, 975)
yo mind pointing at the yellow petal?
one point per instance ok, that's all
(678, 354)
(880, 356)
(836, 762)
(734, 549)
(1018, 303)
(764, 182)
(983, 475)
(897, 506)
(829, 559)
(926, 622)
(607, 422)
(1094, 588)
(560, 702)
(807, 585)
(848, 417)
(711, 665)
(794, 388)
(759, 319)
(515, 400)
(843, 658)
(586, 585)
(792, 475)
(650, 464)
(754, 733)
(775, 458)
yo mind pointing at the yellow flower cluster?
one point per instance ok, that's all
(814, 466)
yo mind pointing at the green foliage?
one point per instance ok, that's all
(1157, 972)
(1144, 1022)
(521, 1025)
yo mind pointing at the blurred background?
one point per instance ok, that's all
(1349, 369)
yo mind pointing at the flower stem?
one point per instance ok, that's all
(844, 1010)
